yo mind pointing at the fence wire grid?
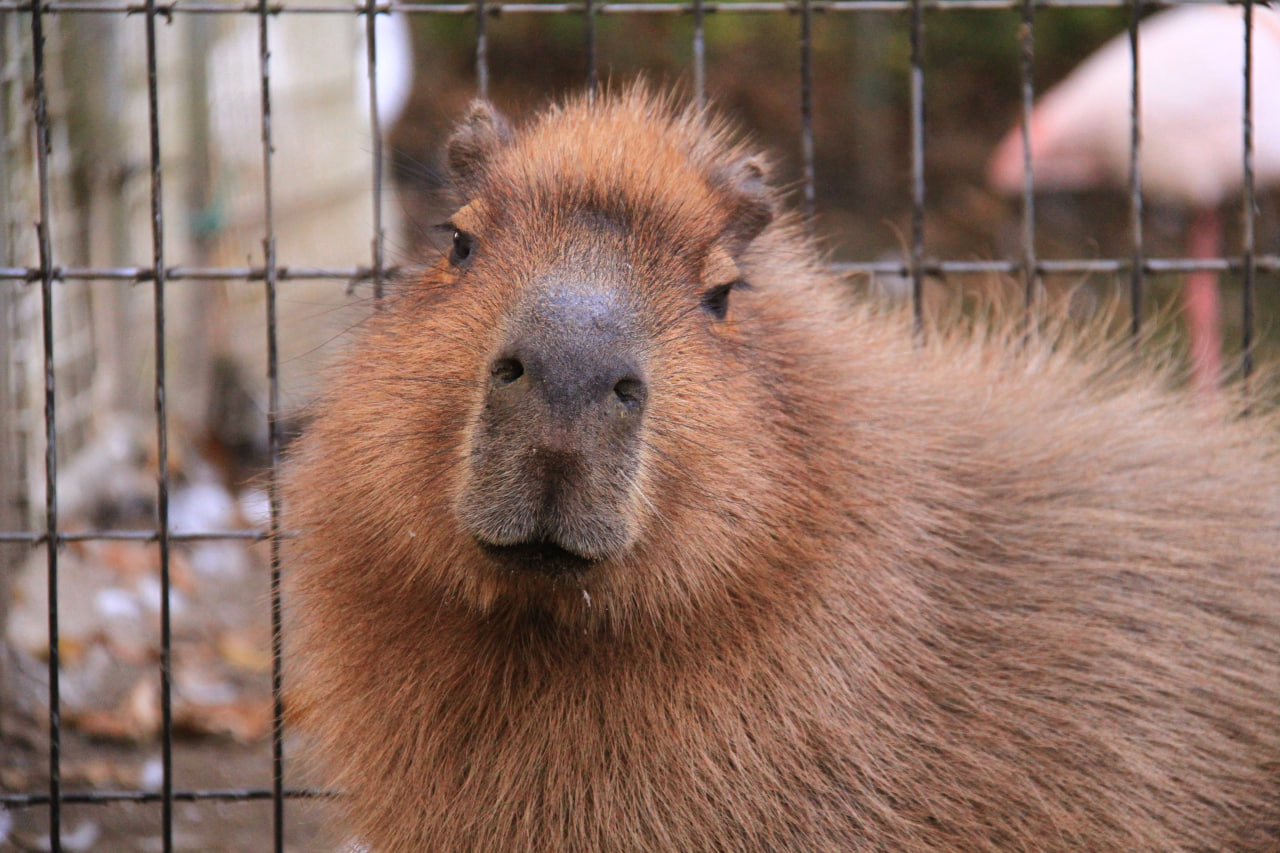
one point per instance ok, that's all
(37, 271)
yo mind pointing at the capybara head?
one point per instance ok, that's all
(579, 383)
(622, 526)
(574, 378)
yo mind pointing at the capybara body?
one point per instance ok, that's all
(622, 527)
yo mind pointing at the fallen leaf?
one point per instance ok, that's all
(96, 774)
(135, 719)
(244, 722)
(243, 653)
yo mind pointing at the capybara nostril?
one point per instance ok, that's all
(630, 394)
(505, 371)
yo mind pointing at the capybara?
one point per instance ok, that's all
(625, 527)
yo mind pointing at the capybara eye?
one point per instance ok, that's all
(716, 300)
(462, 245)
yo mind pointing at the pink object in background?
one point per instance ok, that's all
(1191, 62)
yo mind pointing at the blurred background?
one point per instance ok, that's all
(348, 196)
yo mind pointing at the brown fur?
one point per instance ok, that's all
(864, 595)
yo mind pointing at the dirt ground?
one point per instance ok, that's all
(109, 628)
(205, 827)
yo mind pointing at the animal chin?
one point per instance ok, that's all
(542, 556)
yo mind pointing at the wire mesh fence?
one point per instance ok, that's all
(277, 217)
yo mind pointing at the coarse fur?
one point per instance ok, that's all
(858, 593)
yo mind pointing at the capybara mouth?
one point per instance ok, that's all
(542, 556)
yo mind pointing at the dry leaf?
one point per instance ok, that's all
(240, 650)
(71, 650)
(13, 779)
(135, 719)
(244, 722)
(96, 774)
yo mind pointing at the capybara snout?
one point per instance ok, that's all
(554, 451)
(572, 364)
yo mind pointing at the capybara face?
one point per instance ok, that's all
(578, 372)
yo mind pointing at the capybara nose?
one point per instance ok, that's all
(570, 355)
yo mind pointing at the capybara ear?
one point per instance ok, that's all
(749, 199)
(479, 135)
